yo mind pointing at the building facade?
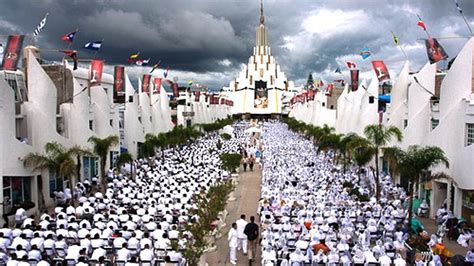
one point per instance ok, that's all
(430, 107)
(53, 103)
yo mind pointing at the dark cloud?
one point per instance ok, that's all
(207, 40)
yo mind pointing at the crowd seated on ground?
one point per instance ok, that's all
(312, 212)
(132, 223)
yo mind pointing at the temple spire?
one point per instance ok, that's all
(262, 18)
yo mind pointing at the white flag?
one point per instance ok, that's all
(40, 27)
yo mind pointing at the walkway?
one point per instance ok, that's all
(247, 195)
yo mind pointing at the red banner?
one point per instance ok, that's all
(119, 84)
(354, 79)
(95, 74)
(434, 50)
(157, 86)
(12, 52)
(196, 95)
(381, 70)
(175, 88)
(146, 83)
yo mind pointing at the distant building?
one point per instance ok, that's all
(261, 88)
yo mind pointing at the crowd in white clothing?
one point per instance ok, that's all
(314, 213)
(132, 223)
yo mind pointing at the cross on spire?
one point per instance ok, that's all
(262, 19)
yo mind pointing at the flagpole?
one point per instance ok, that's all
(467, 23)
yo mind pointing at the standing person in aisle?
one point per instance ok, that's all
(242, 238)
(233, 239)
(251, 162)
(244, 163)
(251, 231)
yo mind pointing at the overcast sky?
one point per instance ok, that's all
(208, 40)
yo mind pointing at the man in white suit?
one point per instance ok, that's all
(232, 238)
(242, 237)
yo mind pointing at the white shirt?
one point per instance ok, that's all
(146, 255)
(241, 223)
(232, 238)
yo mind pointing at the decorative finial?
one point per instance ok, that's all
(262, 19)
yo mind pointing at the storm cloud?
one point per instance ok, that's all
(208, 40)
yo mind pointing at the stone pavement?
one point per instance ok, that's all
(247, 194)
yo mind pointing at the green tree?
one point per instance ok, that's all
(123, 159)
(230, 161)
(379, 136)
(58, 159)
(101, 147)
(362, 151)
(415, 163)
(149, 146)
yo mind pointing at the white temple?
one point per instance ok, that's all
(261, 87)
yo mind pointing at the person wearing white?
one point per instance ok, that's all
(233, 239)
(242, 237)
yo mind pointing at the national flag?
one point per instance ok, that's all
(457, 6)
(40, 26)
(396, 40)
(190, 83)
(434, 50)
(142, 62)
(146, 83)
(338, 70)
(69, 37)
(133, 57)
(11, 54)
(155, 66)
(157, 86)
(354, 79)
(165, 73)
(73, 55)
(95, 74)
(381, 70)
(365, 53)
(421, 23)
(93, 45)
(351, 65)
(119, 84)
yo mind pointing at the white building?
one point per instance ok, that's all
(48, 103)
(261, 87)
(429, 110)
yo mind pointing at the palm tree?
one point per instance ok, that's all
(344, 148)
(379, 135)
(330, 142)
(361, 150)
(57, 159)
(101, 148)
(414, 163)
(124, 158)
(149, 146)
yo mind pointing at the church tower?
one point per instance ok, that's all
(261, 86)
(262, 37)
